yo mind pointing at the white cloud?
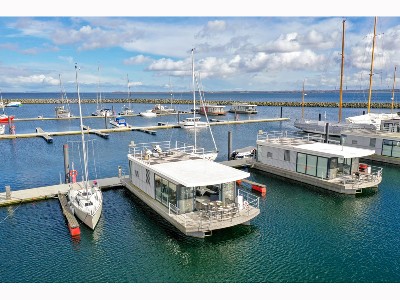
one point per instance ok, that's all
(33, 79)
(137, 60)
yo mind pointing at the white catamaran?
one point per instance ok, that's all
(85, 200)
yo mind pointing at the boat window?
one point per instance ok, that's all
(396, 149)
(354, 142)
(286, 156)
(301, 163)
(372, 142)
(269, 154)
(322, 167)
(387, 146)
(158, 186)
(311, 168)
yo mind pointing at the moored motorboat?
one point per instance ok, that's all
(119, 122)
(148, 113)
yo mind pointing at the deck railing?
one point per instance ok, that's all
(140, 150)
(249, 200)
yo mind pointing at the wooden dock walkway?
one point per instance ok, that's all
(147, 129)
(50, 192)
(96, 132)
(44, 135)
(73, 224)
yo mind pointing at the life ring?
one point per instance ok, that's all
(246, 204)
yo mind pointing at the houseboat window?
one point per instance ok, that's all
(372, 142)
(136, 173)
(333, 163)
(301, 163)
(396, 149)
(322, 167)
(269, 154)
(164, 191)
(185, 199)
(387, 147)
(172, 193)
(311, 165)
(286, 156)
(158, 186)
(354, 142)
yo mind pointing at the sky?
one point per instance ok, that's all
(248, 48)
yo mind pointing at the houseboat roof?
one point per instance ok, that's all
(372, 133)
(312, 147)
(199, 172)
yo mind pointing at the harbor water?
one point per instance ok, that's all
(303, 234)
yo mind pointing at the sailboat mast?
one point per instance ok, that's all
(194, 102)
(82, 134)
(302, 103)
(129, 91)
(341, 78)
(372, 67)
(394, 82)
(61, 90)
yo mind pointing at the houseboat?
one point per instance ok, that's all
(385, 144)
(330, 166)
(212, 110)
(243, 108)
(196, 195)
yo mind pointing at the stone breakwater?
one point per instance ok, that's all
(221, 102)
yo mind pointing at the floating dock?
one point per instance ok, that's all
(73, 224)
(44, 135)
(147, 129)
(96, 132)
(50, 192)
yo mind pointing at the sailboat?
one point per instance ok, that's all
(334, 129)
(61, 111)
(193, 122)
(161, 109)
(374, 118)
(85, 201)
(127, 110)
(100, 110)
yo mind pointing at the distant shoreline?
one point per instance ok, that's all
(217, 102)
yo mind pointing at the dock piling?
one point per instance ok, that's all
(66, 163)
(326, 132)
(8, 192)
(281, 111)
(229, 144)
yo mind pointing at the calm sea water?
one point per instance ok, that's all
(302, 234)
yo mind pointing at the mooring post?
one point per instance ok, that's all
(8, 192)
(229, 144)
(319, 117)
(326, 132)
(66, 164)
(119, 172)
(105, 120)
(281, 111)
(363, 112)
(178, 116)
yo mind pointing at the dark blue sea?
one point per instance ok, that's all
(302, 235)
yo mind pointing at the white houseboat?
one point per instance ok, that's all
(330, 166)
(243, 108)
(385, 144)
(212, 110)
(196, 195)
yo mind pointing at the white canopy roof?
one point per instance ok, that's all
(334, 150)
(198, 172)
